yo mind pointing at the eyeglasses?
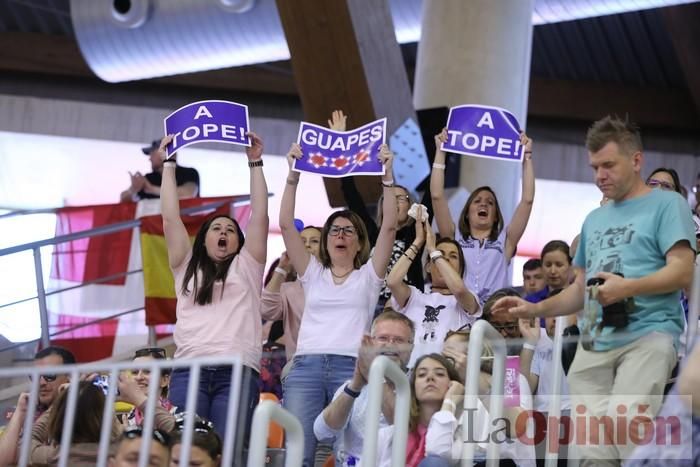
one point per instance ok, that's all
(391, 340)
(403, 198)
(137, 432)
(156, 352)
(47, 378)
(653, 183)
(335, 230)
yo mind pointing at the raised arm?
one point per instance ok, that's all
(453, 280)
(437, 189)
(387, 231)
(10, 438)
(531, 334)
(137, 182)
(399, 289)
(176, 237)
(271, 302)
(293, 242)
(518, 223)
(256, 233)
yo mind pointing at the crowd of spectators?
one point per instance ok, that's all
(359, 287)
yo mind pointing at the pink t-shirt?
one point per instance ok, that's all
(287, 305)
(231, 324)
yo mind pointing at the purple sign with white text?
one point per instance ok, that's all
(341, 153)
(222, 121)
(482, 131)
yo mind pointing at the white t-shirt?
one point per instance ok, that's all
(336, 316)
(433, 315)
(543, 368)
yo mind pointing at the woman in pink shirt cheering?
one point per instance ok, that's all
(218, 281)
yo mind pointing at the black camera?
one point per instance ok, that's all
(616, 314)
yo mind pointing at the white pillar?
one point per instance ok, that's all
(478, 52)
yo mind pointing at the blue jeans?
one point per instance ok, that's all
(213, 395)
(309, 388)
(434, 461)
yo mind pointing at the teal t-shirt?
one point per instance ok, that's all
(632, 237)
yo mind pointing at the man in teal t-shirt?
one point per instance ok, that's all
(641, 244)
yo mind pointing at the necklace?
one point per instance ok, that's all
(342, 276)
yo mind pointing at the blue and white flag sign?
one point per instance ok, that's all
(483, 131)
(341, 153)
(213, 120)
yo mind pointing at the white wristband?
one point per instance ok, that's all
(529, 346)
(435, 255)
(439, 166)
(279, 270)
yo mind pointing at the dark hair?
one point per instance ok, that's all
(498, 294)
(674, 175)
(206, 440)
(270, 272)
(88, 414)
(557, 245)
(614, 130)
(486, 349)
(380, 206)
(211, 270)
(463, 226)
(532, 264)
(460, 253)
(157, 353)
(391, 315)
(363, 239)
(65, 354)
(414, 413)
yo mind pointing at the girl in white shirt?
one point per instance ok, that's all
(449, 305)
(341, 289)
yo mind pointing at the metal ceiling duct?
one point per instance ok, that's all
(124, 40)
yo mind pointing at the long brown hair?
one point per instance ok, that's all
(212, 271)
(88, 415)
(363, 239)
(497, 227)
(414, 415)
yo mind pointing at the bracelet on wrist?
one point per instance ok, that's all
(439, 166)
(529, 346)
(170, 161)
(255, 163)
(292, 182)
(435, 255)
(350, 392)
(280, 270)
(388, 183)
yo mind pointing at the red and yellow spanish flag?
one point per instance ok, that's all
(158, 280)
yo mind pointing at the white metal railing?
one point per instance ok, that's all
(382, 367)
(264, 413)
(480, 331)
(36, 246)
(113, 369)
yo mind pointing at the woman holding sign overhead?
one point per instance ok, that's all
(341, 288)
(488, 247)
(218, 281)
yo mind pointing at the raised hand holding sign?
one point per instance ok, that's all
(336, 154)
(483, 131)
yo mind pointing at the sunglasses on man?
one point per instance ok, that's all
(48, 378)
(156, 352)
